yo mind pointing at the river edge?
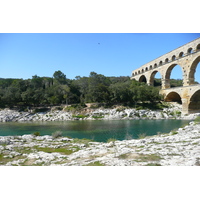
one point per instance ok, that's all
(119, 113)
(177, 148)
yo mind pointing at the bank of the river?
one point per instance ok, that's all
(181, 147)
(174, 112)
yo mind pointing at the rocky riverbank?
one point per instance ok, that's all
(181, 147)
(174, 112)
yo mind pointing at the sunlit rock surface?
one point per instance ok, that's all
(177, 148)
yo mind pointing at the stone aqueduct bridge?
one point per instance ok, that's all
(187, 57)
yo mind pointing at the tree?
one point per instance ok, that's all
(82, 83)
(64, 90)
(58, 90)
(60, 77)
(96, 84)
(120, 92)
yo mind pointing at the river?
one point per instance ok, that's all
(99, 130)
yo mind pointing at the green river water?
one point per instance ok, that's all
(100, 130)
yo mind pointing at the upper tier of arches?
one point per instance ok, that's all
(172, 58)
(188, 72)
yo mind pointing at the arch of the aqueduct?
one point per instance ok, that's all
(187, 57)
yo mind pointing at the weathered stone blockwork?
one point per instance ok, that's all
(187, 57)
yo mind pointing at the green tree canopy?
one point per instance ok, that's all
(60, 77)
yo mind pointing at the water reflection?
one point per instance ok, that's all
(97, 130)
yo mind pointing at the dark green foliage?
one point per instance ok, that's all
(41, 110)
(59, 77)
(97, 117)
(79, 116)
(173, 82)
(176, 82)
(97, 88)
(36, 134)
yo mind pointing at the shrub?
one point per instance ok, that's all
(142, 135)
(137, 114)
(79, 116)
(144, 115)
(97, 117)
(174, 132)
(178, 112)
(140, 108)
(197, 119)
(57, 134)
(37, 110)
(111, 140)
(36, 134)
(74, 107)
(69, 109)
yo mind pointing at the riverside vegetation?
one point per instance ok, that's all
(29, 98)
(46, 91)
(40, 99)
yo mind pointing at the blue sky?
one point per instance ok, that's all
(23, 55)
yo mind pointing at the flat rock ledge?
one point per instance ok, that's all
(177, 148)
(7, 115)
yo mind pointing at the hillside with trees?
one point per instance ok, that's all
(57, 90)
